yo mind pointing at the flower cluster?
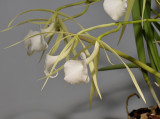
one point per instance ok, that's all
(75, 71)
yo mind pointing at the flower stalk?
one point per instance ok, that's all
(123, 55)
(75, 70)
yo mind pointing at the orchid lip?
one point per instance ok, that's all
(76, 72)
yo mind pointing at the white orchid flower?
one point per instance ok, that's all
(115, 8)
(76, 72)
(36, 43)
(49, 62)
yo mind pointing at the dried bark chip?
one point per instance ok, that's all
(154, 117)
(144, 116)
(155, 110)
(146, 113)
(137, 113)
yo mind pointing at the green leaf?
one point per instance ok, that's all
(149, 36)
(94, 85)
(34, 22)
(63, 26)
(89, 38)
(92, 92)
(52, 19)
(144, 4)
(26, 39)
(156, 35)
(130, 4)
(107, 55)
(31, 10)
(57, 43)
(23, 22)
(140, 45)
(129, 71)
(118, 66)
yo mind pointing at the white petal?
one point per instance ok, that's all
(36, 43)
(49, 62)
(76, 72)
(27, 42)
(115, 8)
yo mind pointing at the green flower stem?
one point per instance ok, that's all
(137, 62)
(125, 56)
(158, 3)
(119, 66)
(66, 6)
(70, 5)
(94, 53)
(156, 13)
(78, 15)
(109, 32)
(50, 20)
(118, 23)
(63, 26)
(97, 27)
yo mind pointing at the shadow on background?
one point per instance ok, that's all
(109, 102)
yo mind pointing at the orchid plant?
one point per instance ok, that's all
(76, 71)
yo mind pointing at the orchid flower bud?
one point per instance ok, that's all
(36, 43)
(76, 72)
(49, 62)
(115, 8)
